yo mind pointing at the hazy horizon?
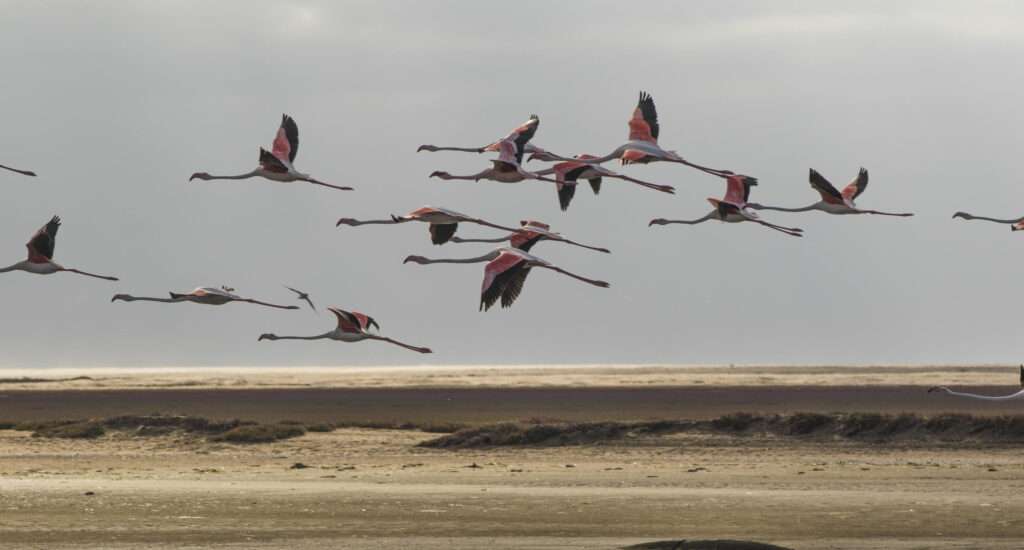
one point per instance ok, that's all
(115, 104)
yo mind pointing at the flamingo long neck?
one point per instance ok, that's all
(987, 219)
(495, 240)
(317, 337)
(711, 216)
(15, 267)
(130, 298)
(477, 260)
(462, 149)
(244, 176)
(356, 223)
(781, 209)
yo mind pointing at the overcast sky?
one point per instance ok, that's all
(115, 104)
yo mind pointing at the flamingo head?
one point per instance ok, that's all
(657, 221)
(416, 260)
(120, 297)
(346, 221)
(199, 176)
(267, 336)
(1017, 226)
(430, 148)
(439, 174)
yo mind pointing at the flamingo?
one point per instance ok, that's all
(40, 254)
(832, 200)
(1017, 395)
(568, 173)
(443, 222)
(507, 168)
(302, 296)
(352, 327)
(277, 164)
(642, 147)
(530, 126)
(15, 170)
(733, 207)
(504, 274)
(530, 233)
(1015, 224)
(203, 295)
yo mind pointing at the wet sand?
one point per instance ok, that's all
(376, 489)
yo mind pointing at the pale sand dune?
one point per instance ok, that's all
(509, 376)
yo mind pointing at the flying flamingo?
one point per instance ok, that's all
(530, 233)
(642, 147)
(15, 170)
(443, 222)
(530, 126)
(300, 295)
(1015, 224)
(352, 327)
(733, 207)
(504, 274)
(40, 254)
(832, 200)
(1017, 395)
(569, 172)
(277, 164)
(203, 295)
(507, 168)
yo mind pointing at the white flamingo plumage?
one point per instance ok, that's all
(1016, 395)
(206, 295)
(278, 163)
(443, 222)
(834, 201)
(40, 254)
(504, 274)
(352, 327)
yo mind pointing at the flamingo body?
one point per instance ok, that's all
(40, 254)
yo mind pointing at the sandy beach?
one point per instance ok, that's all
(376, 488)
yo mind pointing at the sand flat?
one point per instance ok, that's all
(374, 488)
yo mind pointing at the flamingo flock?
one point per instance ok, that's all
(506, 268)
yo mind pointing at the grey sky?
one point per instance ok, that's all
(114, 104)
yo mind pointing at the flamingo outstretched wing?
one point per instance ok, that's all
(857, 186)
(347, 322)
(644, 124)
(441, 233)
(286, 142)
(41, 245)
(497, 275)
(365, 321)
(271, 163)
(523, 134)
(828, 192)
